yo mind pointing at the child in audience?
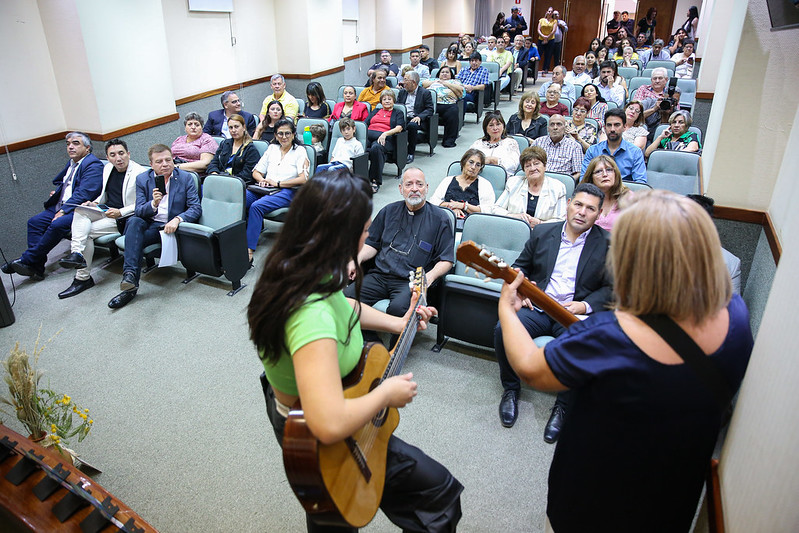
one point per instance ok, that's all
(347, 147)
(318, 134)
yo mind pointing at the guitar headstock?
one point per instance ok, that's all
(418, 284)
(482, 260)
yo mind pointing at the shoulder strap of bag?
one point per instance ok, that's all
(693, 356)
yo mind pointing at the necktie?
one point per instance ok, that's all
(67, 181)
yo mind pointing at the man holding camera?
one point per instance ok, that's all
(659, 99)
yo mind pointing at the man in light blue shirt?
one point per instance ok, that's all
(628, 157)
(566, 88)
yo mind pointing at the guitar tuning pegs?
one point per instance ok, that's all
(487, 279)
(485, 253)
(466, 270)
(502, 264)
(494, 259)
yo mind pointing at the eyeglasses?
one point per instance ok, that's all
(284, 133)
(234, 101)
(476, 164)
(579, 110)
(601, 171)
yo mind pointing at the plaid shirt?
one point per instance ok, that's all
(565, 157)
(467, 76)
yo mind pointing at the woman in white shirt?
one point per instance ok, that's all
(498, 148)
(283, 167)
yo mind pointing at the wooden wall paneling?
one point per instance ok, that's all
(582, 18)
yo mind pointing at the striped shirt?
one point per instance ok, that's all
(565, 156)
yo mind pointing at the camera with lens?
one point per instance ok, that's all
(669, 102)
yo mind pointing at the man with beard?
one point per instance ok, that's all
(403, 236)
(629, 158)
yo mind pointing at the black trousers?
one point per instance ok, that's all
(378, 154)
(414, 130)
(537, 324)
(448, 114)
(545, 50)
(419, 494)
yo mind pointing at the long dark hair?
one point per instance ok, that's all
(311, 255)
(268, 119)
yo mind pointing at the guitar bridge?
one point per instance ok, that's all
(359, 458)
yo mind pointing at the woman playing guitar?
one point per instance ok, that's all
(309, 336)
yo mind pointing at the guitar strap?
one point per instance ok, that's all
(693, 356)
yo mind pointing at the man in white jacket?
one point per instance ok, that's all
(104, 216)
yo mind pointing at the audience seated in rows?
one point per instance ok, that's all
(425, 59)
(552, 104)
(346, 148)
(634, 130)
(377, 83)
(578, 74)
(80, 181)
(467, 192)
(612, 87)
(677, 136)
(404, 235)
(628, 157)
(382, 124)
(564, 154)
(684, 60)
(474, 78)
(581, 131)
(283, 167)
(448, 91)
(315, 104)
(384, 63)
(196, 149)
(558, 77)
(274, 113)
(598, 106)
(418, 103)
(290, 106)
(498, 148)
(533, 197)
(236, 156)
(653, 95)
(505, 60)
(158, 210)
(544, 261)
(117, 202)
(216, 125)
(417, 66)
(451, 59)
(603, 172)
(349, 107)
(528, 121)
(656, 52)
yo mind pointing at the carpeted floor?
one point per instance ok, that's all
(180, 428)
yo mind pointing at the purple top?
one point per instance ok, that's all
(190, 151)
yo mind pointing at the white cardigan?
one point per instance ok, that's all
(485, 193)
(551, 200)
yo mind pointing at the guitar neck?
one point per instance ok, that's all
(470, 254)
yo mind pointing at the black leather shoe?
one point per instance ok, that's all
(410, 158)
(552, 430)
(448, 144)
(24, 269)
(6, 268)
(128, 282)
(509, 408)
(77, 287)
(122, 299)
(73, 260)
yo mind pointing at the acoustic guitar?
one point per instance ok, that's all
(342, 484)
(483, 261)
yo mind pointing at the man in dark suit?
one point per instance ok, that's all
(156, 210)
(567, 261)
(217, 120)
(418, 103)
(81, 180)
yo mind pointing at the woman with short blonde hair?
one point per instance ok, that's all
(636, 401)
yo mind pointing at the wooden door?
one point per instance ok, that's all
(582, 18)
(665, 16)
